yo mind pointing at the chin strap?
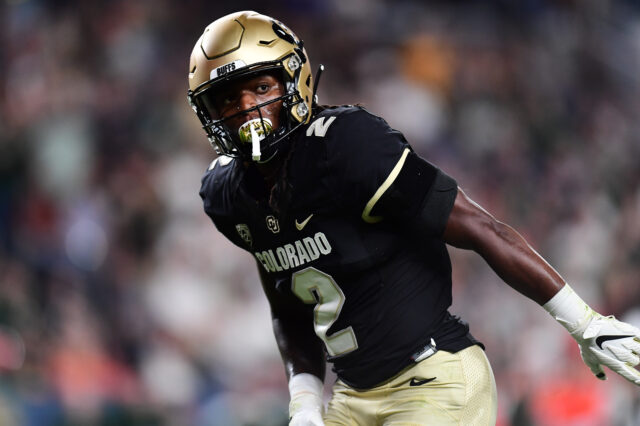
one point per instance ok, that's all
(316, 83)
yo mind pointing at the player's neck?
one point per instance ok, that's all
(270, 170)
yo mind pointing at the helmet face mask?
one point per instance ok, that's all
(241, 46)
(224, 138)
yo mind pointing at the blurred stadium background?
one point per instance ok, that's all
(135, 311)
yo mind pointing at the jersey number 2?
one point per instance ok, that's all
(313, 286)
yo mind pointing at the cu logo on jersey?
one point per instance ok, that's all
(272, 224)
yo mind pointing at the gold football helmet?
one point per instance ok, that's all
(241, 45)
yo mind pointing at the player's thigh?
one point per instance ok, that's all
(461, 392)
(445, 389)
(344, 407)
(481, 407)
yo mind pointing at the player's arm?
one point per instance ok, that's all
(602, 340)
(469, 226)
(301, 350)
(393, 183)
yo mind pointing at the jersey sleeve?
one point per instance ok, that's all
(216, 194)
(377, 174)
(421, 195)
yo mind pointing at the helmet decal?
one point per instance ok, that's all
(226, 68)
(280, 32)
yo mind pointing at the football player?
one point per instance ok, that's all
(349, 226)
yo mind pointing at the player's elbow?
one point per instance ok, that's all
(470, 226)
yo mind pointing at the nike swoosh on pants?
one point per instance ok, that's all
(419, 382)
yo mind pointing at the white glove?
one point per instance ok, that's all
(306, 418)
(305, 407)
(602, 340)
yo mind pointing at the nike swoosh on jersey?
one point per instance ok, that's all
(420, 382)
(300, 226)
(601, 339)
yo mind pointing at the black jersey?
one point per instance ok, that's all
(357, 236)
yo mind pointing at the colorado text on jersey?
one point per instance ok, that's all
(294, 254)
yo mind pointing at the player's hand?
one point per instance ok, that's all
(602, 340)
(309, 417)
(305, 407)
(306, 410)
(607, 341)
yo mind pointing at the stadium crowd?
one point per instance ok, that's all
(120, 304)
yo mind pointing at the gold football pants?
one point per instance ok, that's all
(445, 389)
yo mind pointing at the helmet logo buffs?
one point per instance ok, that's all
(254, 131)
(226, 68)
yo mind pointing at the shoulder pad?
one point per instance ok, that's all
(218, 184)
(222, 161)
(331, 122)
(360, 150)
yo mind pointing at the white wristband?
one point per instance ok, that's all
(306, 393)
(569, 309)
